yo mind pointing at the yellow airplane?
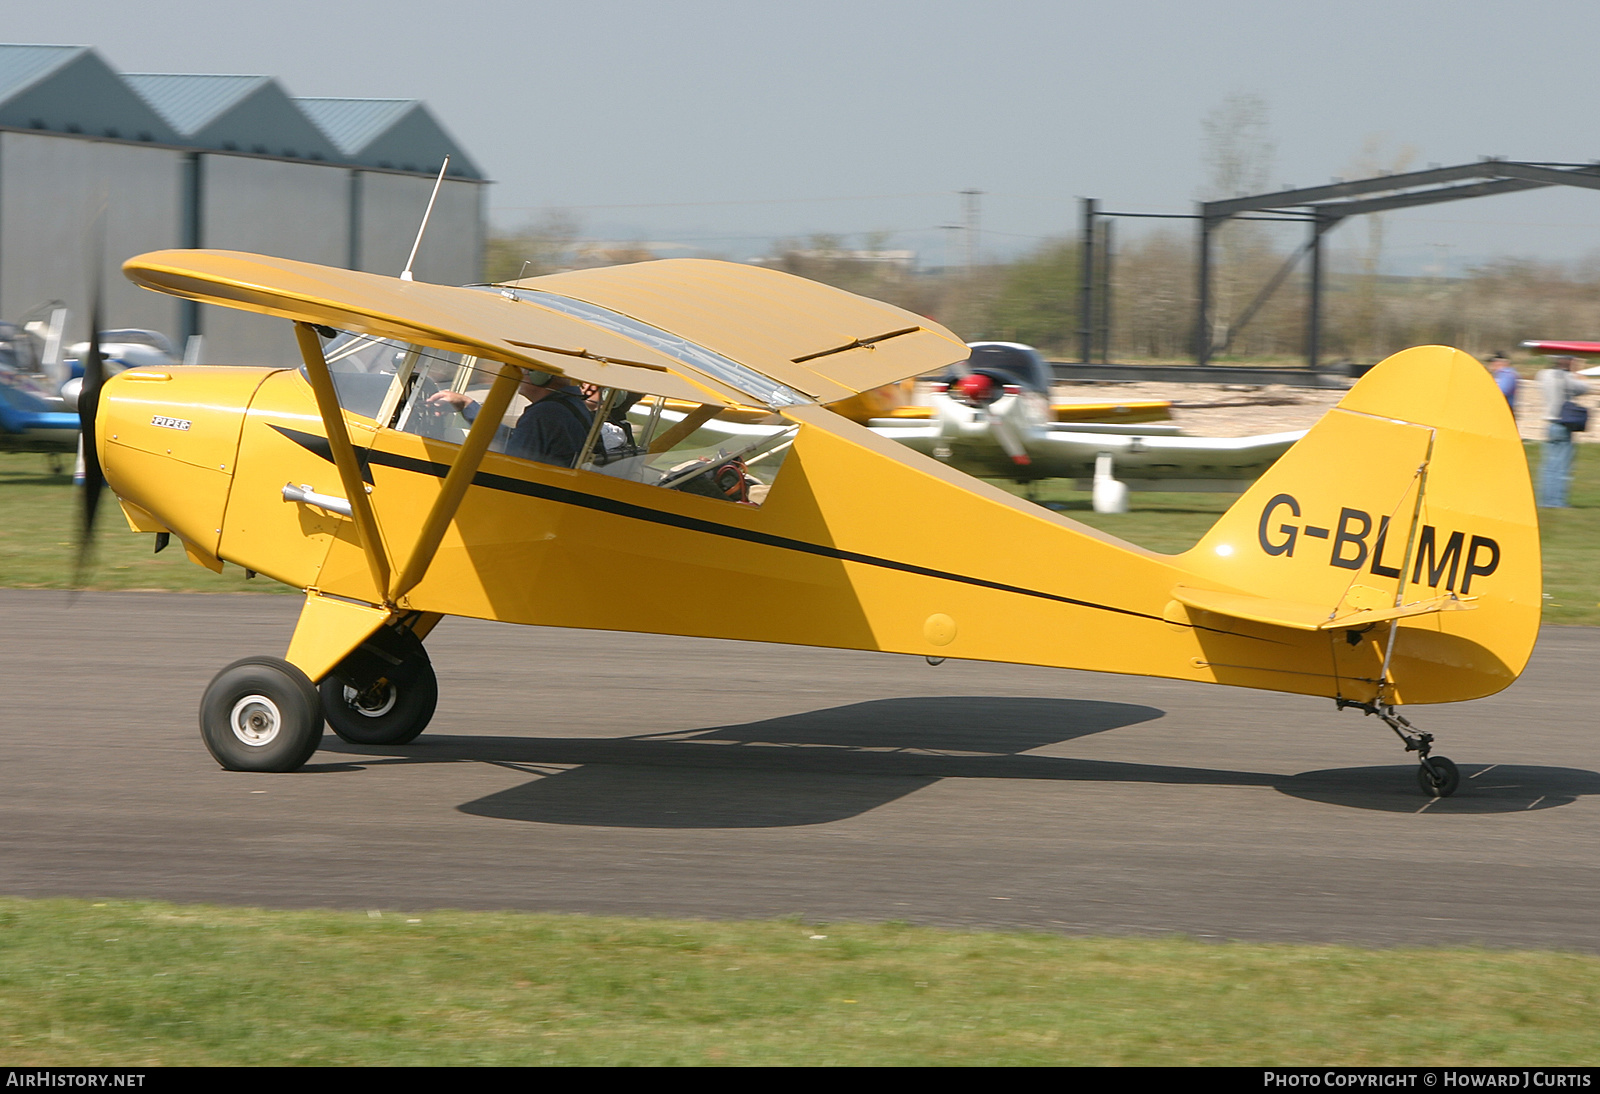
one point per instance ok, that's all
(1390, 557)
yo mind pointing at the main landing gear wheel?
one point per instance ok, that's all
(393, 711)
(261, 714)
(1438, 777)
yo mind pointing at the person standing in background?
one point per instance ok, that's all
(1505, 377)
(1557, 386)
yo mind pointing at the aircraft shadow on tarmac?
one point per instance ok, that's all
(1485, 788)
(839, 762)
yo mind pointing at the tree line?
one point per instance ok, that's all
(1035, 297)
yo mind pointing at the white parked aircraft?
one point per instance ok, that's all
(993, 417)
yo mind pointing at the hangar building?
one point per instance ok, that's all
(228, 162)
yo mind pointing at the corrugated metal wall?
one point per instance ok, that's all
(50, 190)
(292, 210)
(51, 185)
(389, 211)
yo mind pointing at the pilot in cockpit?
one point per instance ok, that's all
(552, 428)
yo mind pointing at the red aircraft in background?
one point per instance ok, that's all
(1568, 349)
(1572, 349)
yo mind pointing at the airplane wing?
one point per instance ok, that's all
(920, 435)
(1575, 349)
(826, 342)
(707, 332)
(1078, 411)
(1065, 452)
(1097, 414)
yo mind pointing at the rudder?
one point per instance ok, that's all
(1408, 506)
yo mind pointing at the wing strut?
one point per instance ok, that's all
(344, 455)
(457, 480)
(692, 421)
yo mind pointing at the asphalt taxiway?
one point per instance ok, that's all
(645, 775)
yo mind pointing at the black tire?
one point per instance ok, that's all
(261, 714)
(1442, 781)
(398, 709)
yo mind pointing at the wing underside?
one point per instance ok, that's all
(709, 332)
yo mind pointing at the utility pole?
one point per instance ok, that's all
(1202, 316)
(969, 219)
(1105, 290)
(1091, 211)
(951, 295)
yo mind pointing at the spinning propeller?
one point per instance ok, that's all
(94, 376)
(976, 388)
(981, 392)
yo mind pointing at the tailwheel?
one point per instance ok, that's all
(1438, 777)
(392, 709)
(261, 714)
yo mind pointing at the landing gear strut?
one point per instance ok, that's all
(1437, 776)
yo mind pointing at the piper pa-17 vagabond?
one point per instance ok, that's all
(1390, 557)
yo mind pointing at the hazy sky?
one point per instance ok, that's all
(722, 124)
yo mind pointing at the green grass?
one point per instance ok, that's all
(39, 535)
(137, 983)
(1570, 539)
(1163, 522)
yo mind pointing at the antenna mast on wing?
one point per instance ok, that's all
(405, 275)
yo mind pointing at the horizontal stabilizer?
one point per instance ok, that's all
(1309, 617)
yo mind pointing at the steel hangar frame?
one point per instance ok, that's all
(1321, 208)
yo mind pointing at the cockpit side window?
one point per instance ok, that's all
(732, 454)
(415, 403)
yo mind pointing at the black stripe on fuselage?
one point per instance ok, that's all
(318, 445)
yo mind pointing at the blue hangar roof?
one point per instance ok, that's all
(71, 90)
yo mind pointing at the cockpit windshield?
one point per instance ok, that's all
(364, 369)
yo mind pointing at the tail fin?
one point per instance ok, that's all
(1407, 509)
